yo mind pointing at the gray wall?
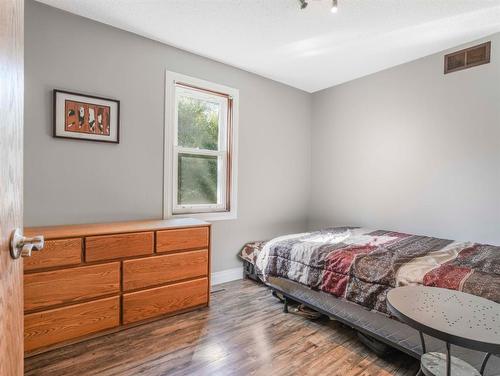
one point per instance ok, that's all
(407, 148)
(77, 182)
(411, 149)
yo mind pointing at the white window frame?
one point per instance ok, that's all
(172, 150)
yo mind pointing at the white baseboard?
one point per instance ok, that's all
(226, 276)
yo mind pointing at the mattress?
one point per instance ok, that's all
(361, 265)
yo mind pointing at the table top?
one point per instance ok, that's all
(453, 316)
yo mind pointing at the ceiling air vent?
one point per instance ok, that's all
(468, 58)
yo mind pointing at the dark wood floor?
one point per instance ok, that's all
(244, 332)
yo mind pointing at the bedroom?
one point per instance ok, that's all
(277, 118)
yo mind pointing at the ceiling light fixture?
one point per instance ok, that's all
(335, 6)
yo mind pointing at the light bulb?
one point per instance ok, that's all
(335, 7)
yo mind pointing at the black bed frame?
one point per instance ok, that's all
(249, 271)
(379, 344)
(379, 347)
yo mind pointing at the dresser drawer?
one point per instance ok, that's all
(186, 238)
(117, 246)
(55, 253)
(146, 304)
(62, 324)
(70, 285)
(152, 271)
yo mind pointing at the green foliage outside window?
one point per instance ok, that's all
(198, 127)
(198, 123)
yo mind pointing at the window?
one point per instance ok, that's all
(200, 158)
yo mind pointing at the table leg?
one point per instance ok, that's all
(448, 359)
(422, 341)
(483, 366)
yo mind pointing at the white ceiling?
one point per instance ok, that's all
(310, 49)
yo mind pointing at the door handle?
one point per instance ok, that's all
(22, 246)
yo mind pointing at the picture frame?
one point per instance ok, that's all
(86, 117)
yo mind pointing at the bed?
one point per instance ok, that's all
(346, 272)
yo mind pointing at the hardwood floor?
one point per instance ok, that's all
(244, 332)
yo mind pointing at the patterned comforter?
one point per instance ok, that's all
(362, 265)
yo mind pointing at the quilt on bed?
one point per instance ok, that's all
(362, 265)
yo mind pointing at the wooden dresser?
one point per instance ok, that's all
(95, 279)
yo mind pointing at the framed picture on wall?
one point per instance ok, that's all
(85, 117)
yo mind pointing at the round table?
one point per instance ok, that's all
(452, 316)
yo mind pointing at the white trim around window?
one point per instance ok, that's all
(227, 154)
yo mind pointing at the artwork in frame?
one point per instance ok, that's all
(86, 117)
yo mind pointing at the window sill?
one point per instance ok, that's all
(210, 217)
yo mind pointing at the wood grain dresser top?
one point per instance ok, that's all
(72, 231)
